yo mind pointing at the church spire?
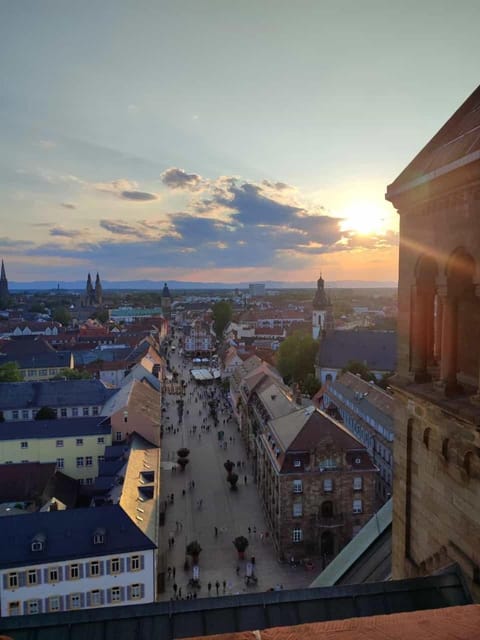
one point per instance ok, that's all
(98, 290)
(3, 275)
(4, 292)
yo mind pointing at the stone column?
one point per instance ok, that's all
(437, 352)
(430, 325)
(419, 335)
(448, 365)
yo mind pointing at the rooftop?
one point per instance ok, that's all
(376, 349)
(58, 428)
(68, 534)
(53, 393)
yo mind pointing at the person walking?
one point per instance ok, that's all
(209, 587)
(175, 588)
(224, 586)
(174, 571)
(217, 586)
(216, 532)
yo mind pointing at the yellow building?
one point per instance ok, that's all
(76, 445)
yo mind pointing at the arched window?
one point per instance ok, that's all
(422, 334)
(326, 509)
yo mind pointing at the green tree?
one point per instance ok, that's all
(73, 374)
(10, 372)
(222, 314)
(62, 315)
(296, 357)
(101, 315)
(46, 413)
(355, 366)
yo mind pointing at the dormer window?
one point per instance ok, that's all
(38, 542)
(297, 463)
(99, 536)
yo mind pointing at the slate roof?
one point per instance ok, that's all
(33, 354)
(68, 534)
(376, 349)
(53, 393)
(58, 428)
(263, 610)
(455, 144)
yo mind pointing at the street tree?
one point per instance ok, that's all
(296, 357)
(73, 374)
(62, 315)
(222, 314)
(10, 372)
(46, 413)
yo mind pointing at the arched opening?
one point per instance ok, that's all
(445, 445)
(422, 335)
(327, 543)
(460, 330)
(467, 462)
(326, 509)
(426, 437)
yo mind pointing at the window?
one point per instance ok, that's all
(14, 608)
(14, 415)
(74, 412)
(297, 463)
(297, 486)
(13, 580)
(297, 509)
(115, 566)
(100, 459)
(24, 445)
(118, 436)
(88, 480)
(42, 372)
(37, 545)
(33, 606)
(59, 443)
(74, 572)
(357, 484)
(31, 577)
(136, 591)
(135, 563)
(115, 594)
(75, 601)
(358, 460)
(94, 568)
(25, 414)
(95, 411)
(99, 537)
(357, 506)
(79, 442)
(100, 440)
(63, 412)
(88, 461)
(85, 411)
(297, 535)
(53, 574)
(328, 485)
(95, 598)
(80, 461)
(54, 603)
(60, 463)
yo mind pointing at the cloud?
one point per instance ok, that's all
(64, 233)
(137, 195)
(47, 144)
(118, 227)
(68, 205)
(178, 179)
(125, 189)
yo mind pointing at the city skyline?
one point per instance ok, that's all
(218, 141)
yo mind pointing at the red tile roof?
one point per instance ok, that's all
(450, 623)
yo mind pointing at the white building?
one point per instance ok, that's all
(74, 559)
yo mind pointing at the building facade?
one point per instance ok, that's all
(76, 445)
(436, 496)
(316, 482)
(367, 412)
(322, 311)
(74, 559)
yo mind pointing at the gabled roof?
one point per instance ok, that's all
(33, 354)
(68, 534)
(456, 144)
(277, 399)
(138, 372)
(53, 393)
(24, 482)
(376, 349)
(58, 428)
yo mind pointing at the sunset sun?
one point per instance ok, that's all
(364, 218)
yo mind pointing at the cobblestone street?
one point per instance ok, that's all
(231, 512)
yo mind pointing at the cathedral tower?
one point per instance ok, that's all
(98, 290)
(166, 301)
(4, 292)
(322, 314)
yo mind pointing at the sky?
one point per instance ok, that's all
(219, 140)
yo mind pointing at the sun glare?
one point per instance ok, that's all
(364, 218)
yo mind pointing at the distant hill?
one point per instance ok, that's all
(152, 285)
